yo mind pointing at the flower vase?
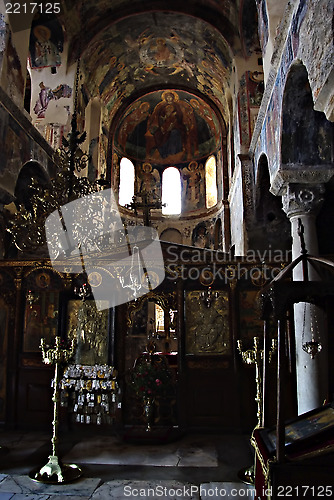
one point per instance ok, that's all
(148, 412)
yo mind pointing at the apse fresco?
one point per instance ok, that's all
(170, 126)
(154, 48)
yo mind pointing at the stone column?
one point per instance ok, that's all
(302, 201)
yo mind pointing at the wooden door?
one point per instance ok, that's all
(210, 393)
(210, 383)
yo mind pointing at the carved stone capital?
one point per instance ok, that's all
(301, 199)
(299, 174)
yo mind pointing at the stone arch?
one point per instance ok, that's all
(30, 170)
(306, 137)
(200, 236)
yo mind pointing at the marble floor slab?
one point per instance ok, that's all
(23, 485)
(109, 450)
(6, 496)
(27, 496)
(111, 463)
(166, 490)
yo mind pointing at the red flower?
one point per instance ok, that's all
(150, 379)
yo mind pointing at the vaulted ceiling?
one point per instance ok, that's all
(132, 47)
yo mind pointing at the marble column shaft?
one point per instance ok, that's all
(302, 201)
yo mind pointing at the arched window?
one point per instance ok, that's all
(211, 182)
(126, 181)
(171, 191)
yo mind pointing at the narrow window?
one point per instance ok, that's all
(126, 181)
(159, 319)
(211, 182)
(171, 191)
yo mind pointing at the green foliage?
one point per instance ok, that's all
(150, 378)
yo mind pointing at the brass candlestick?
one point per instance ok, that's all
(53, 471)
(255, 357)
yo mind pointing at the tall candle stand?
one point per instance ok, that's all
(54, 471)
(255, 357)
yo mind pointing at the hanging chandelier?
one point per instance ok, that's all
(77, 220)
(27, 225)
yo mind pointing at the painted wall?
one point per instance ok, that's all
(19, 143)
(309, 40)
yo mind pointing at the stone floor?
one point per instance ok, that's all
(192, 466)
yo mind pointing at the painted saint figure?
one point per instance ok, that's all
(192, 178)
(46, 44)
(149, 181)
(44, 96)
(165, 129)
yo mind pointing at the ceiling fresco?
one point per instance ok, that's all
(90, 17)
(168, 127)
(146, 52)
(130, 48)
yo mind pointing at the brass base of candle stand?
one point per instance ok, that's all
(54, 472)
(246, 475)
(255, 357)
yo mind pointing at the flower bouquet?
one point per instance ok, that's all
(150, 378)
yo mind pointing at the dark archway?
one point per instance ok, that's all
(171, 235)
(307, 136)
(32, 170)
(271, 227)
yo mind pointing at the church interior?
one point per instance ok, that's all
(167, 248)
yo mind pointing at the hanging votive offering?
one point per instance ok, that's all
(314, 346)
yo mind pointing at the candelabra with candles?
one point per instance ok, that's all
(255, 357)
(54, 471)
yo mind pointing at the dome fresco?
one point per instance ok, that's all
(170, 126)
(146, 51)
